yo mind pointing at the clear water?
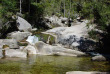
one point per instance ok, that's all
(37, 64)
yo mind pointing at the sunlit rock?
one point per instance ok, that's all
(99, 58)
(75, 36)
(12, 53)
(23, 25)
(19, 35)
(46, 49)
(30, 49)
(12, 43)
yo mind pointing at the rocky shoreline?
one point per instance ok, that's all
(69, 41)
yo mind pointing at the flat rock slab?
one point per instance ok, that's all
(19, 35)
(12, 53)
(82, 72)
(12, 43)
(46, 49)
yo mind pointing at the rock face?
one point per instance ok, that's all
(99, 58)
(56, 21)
(74, 37)
(12, 53)
(82, 72)
(23, 25)
(1, 53)
(12, 43)
(19, 35)
(46, 49)
(30, 49)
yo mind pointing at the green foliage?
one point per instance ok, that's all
(44, 37)
(8, 7)
(97, 10)
(22, 43)
(93, 34)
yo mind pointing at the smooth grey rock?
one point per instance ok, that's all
(12, 43)
(12, 53)
(19, 35)
(34, 29)
(30, 49)
(83, 72)
(46, 49)
(75, 37)
(99, 58)
(23, 24)
(1, 53)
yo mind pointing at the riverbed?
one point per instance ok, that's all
(37, 64)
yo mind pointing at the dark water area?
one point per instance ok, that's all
(37, 64)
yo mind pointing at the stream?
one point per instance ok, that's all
(37, 64)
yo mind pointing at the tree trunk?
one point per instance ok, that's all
(70, 9)
(20, 6)
(64, 8)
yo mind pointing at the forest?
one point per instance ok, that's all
(34, 11)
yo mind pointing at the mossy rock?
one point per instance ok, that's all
(5, 46)
(22, 43)
(44, 37)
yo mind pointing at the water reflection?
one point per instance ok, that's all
(51, 65)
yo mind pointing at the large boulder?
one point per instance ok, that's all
(75, 37)
(46, 49)
(12, 53)
(23, 25)
(12, 43)
(99, 58)
(19, 35)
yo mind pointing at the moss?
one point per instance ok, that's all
(44, 37)
(5, 46)
(22, 43)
